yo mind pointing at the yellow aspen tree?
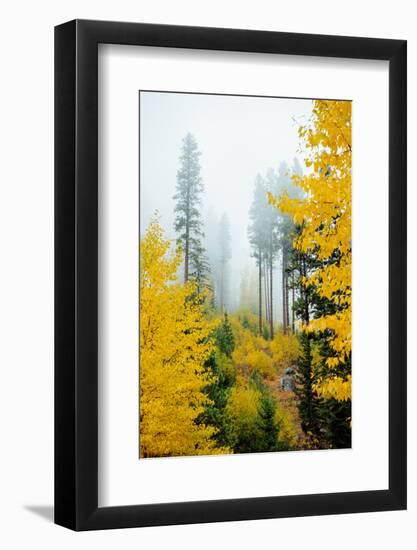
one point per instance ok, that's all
(324, 215)
(174, 344)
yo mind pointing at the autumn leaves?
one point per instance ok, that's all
(324, 215)
(208, 381)
(174, 346)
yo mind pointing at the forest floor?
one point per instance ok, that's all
(287, 400)
(258, 357)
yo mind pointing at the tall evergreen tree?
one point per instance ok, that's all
(272, 247)
(264, 238)
(326, 420)
(286, 230)
(257, 232)
(299, 266)
(188, 224)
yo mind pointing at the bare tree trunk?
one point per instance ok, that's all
(306, 313)
(266, 291)
(186, 265)
(284, 294)
(260, 291)
(287, 309)
(292, 304)
(271, 302)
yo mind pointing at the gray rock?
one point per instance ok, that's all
(287, 382)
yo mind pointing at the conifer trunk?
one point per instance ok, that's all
(186, 256)
(266, 291)
(271, 307)
(306, 313)
(284, 294)
(287, 309)
(292, 304)
(260, 291)
(187, 231)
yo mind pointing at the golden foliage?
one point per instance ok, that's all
(243, 410)
(243, 403)
(252, 352)
(335, 387)
(227, 369)
(285, 349)
(174, 344)
(260, 361)
(325, 217)
(287, 431)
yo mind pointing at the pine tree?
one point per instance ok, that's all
(222, 372)
(327, 421)
(188, 224)
(270, 427)
(284, 187)
(224, 337)
(272, 247)
(286, 227)
(307, 401)
(257, 233)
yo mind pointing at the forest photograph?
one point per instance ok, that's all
(245, 267)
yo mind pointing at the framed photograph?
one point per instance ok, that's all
(230, 275)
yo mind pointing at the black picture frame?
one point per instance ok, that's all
(76, 272)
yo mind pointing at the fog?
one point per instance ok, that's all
(239, 137)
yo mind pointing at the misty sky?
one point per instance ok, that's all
(238, 137)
